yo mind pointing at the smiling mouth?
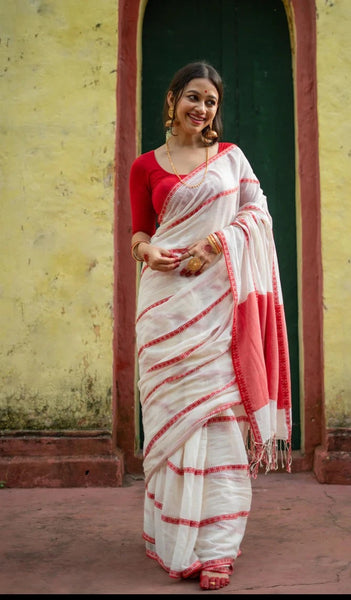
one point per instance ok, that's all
(197, 120)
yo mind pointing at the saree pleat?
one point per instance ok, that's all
(213, 370)
(197, 504)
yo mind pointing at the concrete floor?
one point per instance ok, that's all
(88, 541)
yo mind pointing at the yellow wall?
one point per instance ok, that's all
(57, 94)
(334, 110)
(57, 91)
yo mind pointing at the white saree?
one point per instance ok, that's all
(213, 370)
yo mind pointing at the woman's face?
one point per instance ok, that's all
(197, 105)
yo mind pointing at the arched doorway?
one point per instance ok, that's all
(131, 15)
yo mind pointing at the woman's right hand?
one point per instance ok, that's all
(159, 259)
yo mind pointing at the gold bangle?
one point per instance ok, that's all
(210, 240)
(215, 245)
(134, 247)
(216, 241)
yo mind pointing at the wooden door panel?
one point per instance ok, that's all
(248, 42)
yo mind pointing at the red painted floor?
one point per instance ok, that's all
(88, 541)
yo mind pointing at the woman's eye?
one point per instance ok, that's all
(194, 98)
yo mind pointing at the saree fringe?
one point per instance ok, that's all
(269, 456)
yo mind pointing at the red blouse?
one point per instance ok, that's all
(149, 185)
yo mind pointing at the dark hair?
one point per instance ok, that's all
(196, 70)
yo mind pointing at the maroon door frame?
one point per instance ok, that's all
(302, 17)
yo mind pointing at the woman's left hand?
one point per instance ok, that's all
(201, 256)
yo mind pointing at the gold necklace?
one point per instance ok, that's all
(196, 185)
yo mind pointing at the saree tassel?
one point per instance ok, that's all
(270, 456)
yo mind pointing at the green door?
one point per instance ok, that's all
(248, 42)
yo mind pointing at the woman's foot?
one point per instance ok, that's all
(212, 580)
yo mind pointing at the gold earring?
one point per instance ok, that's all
(169, 123)
(210, 135)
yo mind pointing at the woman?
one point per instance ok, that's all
(211, 337)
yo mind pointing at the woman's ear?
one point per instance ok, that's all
(170, 99)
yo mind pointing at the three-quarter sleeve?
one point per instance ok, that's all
(143, 213)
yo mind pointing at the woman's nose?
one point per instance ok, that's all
(201, 107)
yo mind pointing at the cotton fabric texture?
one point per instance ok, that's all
(213, 370)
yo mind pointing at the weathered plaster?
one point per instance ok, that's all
(57, 140)
(334, 95)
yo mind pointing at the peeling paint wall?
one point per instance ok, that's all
(57, 128)
(58, 111)
(334, 110)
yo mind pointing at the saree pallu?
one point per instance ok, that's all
(213, 370)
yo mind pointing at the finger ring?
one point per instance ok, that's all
(194, 264)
